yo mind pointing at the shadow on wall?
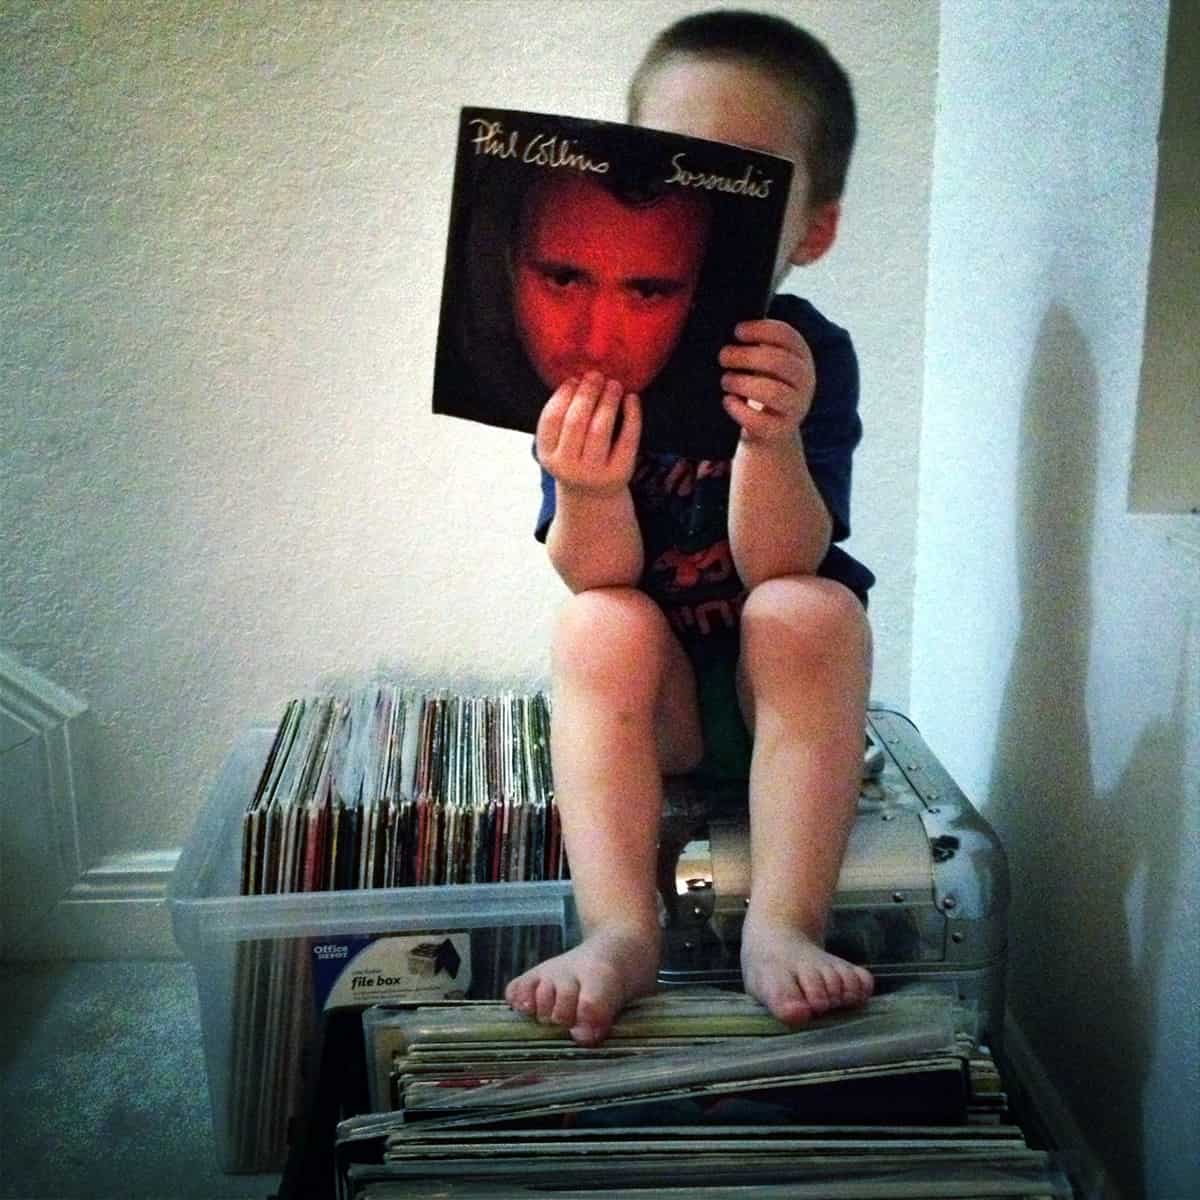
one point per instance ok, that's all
(1081, 991)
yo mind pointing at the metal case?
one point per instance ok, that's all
(923, 891)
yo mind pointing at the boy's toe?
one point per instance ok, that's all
(835, 988)
(812, 985)
(520, 994)
(785, 999)
(791, 1007)
(593, 1017)
(858, 985)
(586, 1035)
(566, 1003)
(547, 993)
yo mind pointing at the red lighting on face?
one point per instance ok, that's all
(602, 285)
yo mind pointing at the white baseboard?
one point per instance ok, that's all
(1091, 1180)
(55, 902)
(116, 910)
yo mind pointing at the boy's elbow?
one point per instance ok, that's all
(584, 572)
(803, 559)
(587, 577)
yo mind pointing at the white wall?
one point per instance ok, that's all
(222, 231)
(1056, 636)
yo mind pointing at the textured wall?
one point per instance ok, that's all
(1056, 663)
(222, 230)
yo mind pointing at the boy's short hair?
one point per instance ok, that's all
(797, 60)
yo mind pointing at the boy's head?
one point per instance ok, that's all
(604, 281)
(761, 82)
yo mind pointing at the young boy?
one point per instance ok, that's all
(674, 623)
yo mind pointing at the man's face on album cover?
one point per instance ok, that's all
(603, 285)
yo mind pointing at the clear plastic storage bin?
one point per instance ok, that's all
(266, 965)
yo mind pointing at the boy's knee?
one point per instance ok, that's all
(611, 639)
(804, 618)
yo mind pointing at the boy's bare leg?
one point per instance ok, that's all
(624, 712)
(804, 676)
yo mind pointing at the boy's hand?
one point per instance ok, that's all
(769, 380)
(575, 435)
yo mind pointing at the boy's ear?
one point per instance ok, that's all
(820, 234)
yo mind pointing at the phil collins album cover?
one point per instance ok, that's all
(580, 245)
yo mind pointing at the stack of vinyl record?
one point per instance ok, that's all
(700, 1090)
(388, 787)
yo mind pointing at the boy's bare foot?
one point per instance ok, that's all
(585, 988)
(794, 976)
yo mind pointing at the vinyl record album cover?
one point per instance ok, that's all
(581, 245)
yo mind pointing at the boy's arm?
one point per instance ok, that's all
(594, 540)
(778, 522)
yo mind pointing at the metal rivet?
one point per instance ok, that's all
(898, 897)
(949, 902)
(697, 911)
(956, 936)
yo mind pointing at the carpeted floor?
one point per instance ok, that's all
(103, 1093)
